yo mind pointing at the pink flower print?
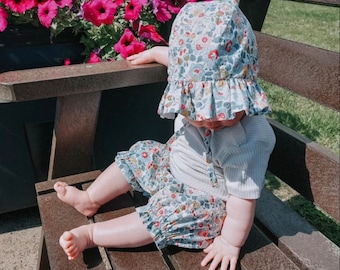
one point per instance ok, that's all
(138, 173)
(173, 196)
(156, 224)
(3, 19)
(199, 47)
(213, 54)
(128, 44)
(160, 212)
(47, 12)
(133, 9)
(221, 116)
(205, 39)
(149, 166)
(203, 233)
(99, 12)
(145, 154)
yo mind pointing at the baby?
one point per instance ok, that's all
(203, 183)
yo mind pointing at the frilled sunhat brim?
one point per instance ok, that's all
(218, 100)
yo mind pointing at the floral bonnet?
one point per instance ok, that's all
(213, 64)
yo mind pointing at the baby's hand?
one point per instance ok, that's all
(220, 251)
(144, 57)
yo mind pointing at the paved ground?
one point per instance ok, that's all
(20, 239)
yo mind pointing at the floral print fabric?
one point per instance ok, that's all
(213, 64)
(175, 213)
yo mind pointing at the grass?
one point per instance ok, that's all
(314, 121)
(314, 25)
(317, 26)
(310, 24)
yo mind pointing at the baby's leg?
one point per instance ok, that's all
(109, 184)
(123, 232)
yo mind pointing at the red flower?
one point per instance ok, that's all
(46, 12)
(99, 11)
(133, 9)
(150, 32)
(128, 44)
(19, 6)
(3, 19)
(94, 58)
(228, 46)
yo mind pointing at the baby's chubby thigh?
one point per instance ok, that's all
(183, 216)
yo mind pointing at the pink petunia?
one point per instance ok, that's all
(160, 9)
(94, 58)
(99, 12)
(64, 3)
(47, 12)
(19, 6)
(133, 9)
(150, 32)
(67, 62)
(3, 19)
(128, 44)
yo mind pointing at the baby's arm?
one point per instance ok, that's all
(157, 54)
(226, 248)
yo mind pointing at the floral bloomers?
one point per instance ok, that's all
(175, 213)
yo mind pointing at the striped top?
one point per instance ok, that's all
(239, 156)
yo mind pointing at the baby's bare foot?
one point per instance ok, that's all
(75, 242)
(79, 199)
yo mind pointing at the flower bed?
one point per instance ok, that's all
(108, 29)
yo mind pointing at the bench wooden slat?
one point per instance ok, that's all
(308, 71)
(300, 241)
(77, 179)
(54, 224)
(261, 253)
(309, 168)
(59, 81)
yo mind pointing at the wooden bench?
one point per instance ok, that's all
(279, 239)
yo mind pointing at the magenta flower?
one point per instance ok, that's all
(128, 44)
(99, 12)
(3, 19)
(150, 32)
(47, 12)
(19, 6)
(63, 3)
(160, 9)
(94, 58)
(133, 9)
